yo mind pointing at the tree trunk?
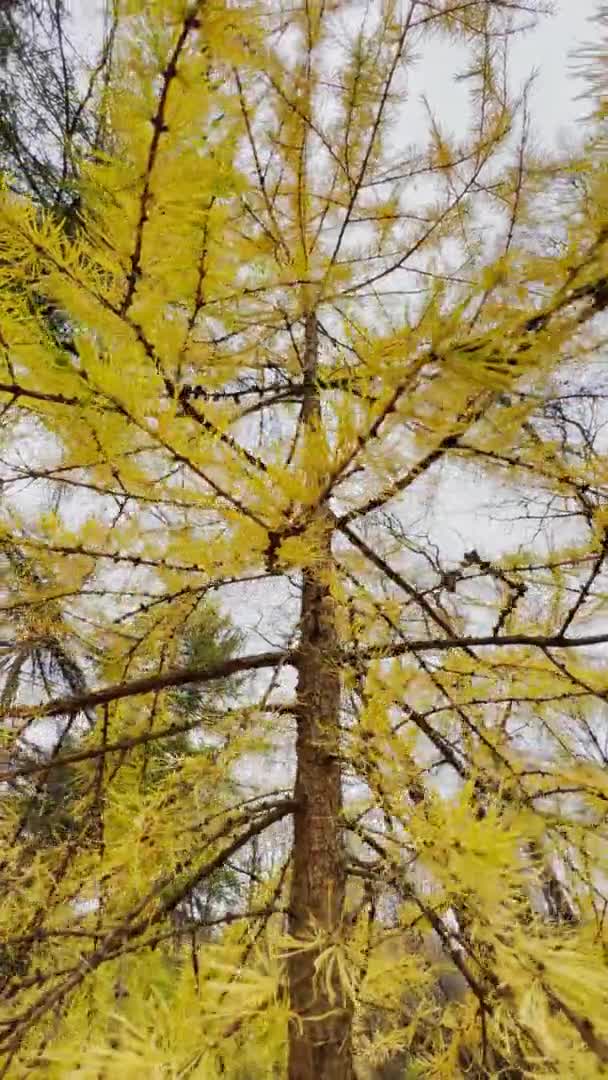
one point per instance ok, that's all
(320, 1035)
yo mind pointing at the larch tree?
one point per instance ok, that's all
(287, 326)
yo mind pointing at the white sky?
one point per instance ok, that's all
(546, 49)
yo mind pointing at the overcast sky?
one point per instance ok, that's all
(546, 48)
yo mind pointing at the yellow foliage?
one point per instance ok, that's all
(275, 363)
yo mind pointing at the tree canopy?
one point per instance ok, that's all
(292, 321)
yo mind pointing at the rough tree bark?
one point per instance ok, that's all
(320, 1038)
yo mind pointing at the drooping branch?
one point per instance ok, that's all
(129, 743)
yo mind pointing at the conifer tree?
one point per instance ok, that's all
(288, 326)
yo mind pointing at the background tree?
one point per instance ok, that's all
(52, 111)
(41, 658)
(276, 340)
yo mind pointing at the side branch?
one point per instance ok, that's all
(148, 684)
(155, 735)
(536, 641)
